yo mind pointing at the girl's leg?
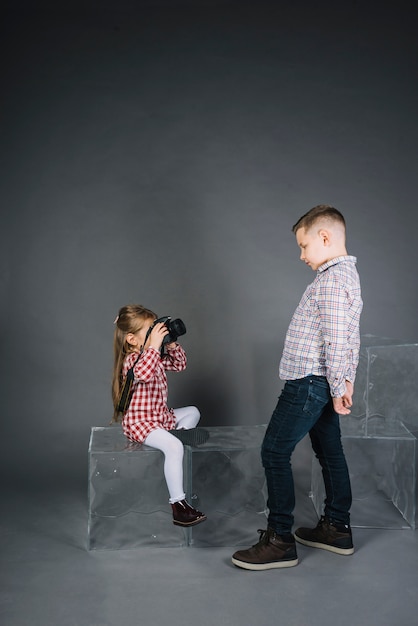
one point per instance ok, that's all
(187, 417)
(172, 448)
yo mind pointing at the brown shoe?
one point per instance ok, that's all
(272, 551)
(186, 515)
(328, 536)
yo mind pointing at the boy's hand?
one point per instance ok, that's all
(341, 405)
(157, 335)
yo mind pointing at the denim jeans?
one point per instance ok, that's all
(305, 406)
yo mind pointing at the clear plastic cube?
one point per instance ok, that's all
(128, 496)
(382, 471)
(385, 386)
(228, 484)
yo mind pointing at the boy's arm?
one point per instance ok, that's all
(353, 359)
(333, 303)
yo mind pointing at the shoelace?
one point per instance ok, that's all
(263, 537)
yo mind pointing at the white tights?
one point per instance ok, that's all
(172, 448)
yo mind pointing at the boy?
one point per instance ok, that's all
(319, 362)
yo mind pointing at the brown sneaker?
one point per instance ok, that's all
(272, 551)
(328, 536)
(186, 515)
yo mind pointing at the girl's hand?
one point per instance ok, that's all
(157, 335)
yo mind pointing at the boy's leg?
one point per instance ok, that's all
(326, 442)
(300, 405)
(333, 532)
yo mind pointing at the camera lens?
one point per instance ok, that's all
(176, 328)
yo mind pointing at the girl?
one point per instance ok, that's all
(137, 342)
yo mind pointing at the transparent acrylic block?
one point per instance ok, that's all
(228, 484)
(385, 383)
(128, 497)
(382, 470)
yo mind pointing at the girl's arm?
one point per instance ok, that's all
(144, 369)
(175, 359)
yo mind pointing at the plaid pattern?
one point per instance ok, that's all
(148, 409)
(323, 337)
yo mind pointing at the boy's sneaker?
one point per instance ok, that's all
(328, 536)
(272, 551)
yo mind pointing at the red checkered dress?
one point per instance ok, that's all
(148, 409)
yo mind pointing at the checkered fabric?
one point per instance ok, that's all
(148, 409)
(323, 337)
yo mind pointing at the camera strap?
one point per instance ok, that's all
(125, 396)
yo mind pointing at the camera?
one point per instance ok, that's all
(175, 328)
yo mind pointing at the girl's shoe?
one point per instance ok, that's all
(186, 515)
(191, 436)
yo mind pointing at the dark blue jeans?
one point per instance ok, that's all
(304, 406)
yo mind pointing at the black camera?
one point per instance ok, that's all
(175, 328)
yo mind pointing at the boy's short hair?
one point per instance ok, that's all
(320, 212)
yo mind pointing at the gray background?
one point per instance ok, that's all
(159, 153)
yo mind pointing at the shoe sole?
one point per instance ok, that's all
(191, 436)
(188, 524)
(325, 546)
(258, 567)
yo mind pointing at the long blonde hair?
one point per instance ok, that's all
(130, 319)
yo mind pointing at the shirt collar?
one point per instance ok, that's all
(335, 260)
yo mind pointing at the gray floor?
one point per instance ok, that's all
(48, 578)
(233, 69)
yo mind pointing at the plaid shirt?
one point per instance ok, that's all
(148, 409)
(323, 337)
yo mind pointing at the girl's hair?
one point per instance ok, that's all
(130, 319)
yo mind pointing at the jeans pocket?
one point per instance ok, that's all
(317, 398)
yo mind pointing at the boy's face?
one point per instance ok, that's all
(314, 246)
